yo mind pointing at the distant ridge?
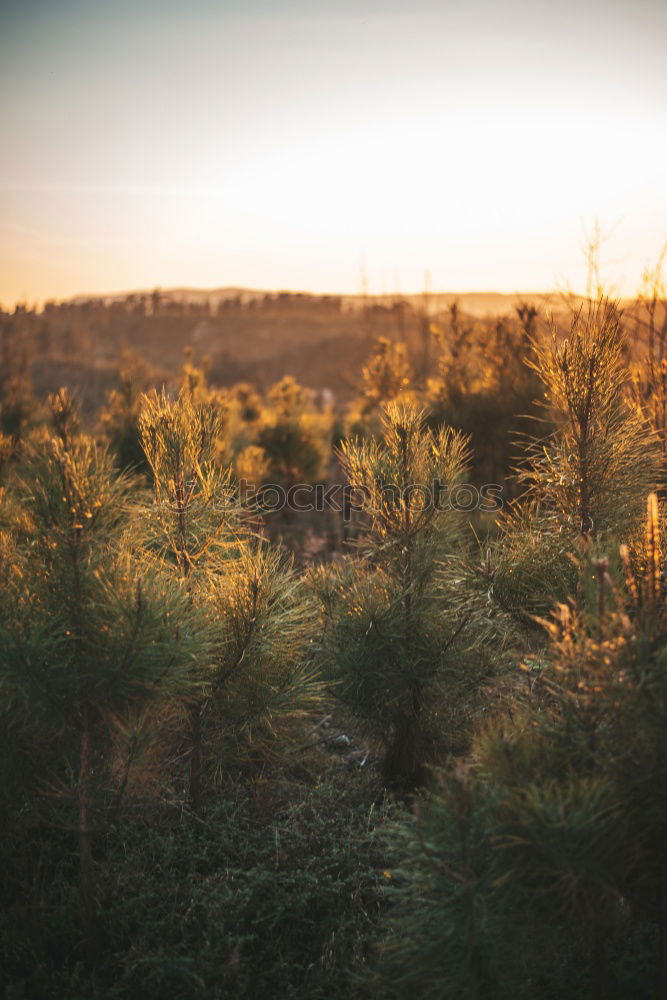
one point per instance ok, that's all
(473, 303)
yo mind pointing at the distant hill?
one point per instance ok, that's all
(479, 304)
(253, 335)
(244, 334)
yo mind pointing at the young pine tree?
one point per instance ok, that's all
(486, 390)
(192, 524)
(539, 868)
(386, 375)
(581, 809)
(259, 616)
(265, 679)
(294, 438)
(648, 389)
(397, 640)
(588, 480)
(86, 632)
(440, 937)
(120, 416)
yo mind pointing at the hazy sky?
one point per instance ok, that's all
(277, 145)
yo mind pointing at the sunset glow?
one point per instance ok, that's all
(274, 145)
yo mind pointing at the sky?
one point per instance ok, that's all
(149, 143)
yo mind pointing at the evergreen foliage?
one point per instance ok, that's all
(293, 436)
(260, 614)
(386, 375)
(484, 388)
(398, 643)
(588, 480)
(85, 631)
(402, 769)
(120, 416)
(564, 815)
(265, 677)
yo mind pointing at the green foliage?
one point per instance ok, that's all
(589, 478)
(564, 816)
(261, 673)
(490, 892)
(16, 404)
(196, 515)
(84, 632)
(146, 631)
(264, 677)
(397, 478)
(386, 375)
(295, 439)
(648, 387)
(84, 624)
(293, 451)
(276, 893)
(485, 389)
(598, 465)
(398, 645)
(120, 416)
(442, 936)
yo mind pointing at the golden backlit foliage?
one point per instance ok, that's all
(171, 649)
(387, 375)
